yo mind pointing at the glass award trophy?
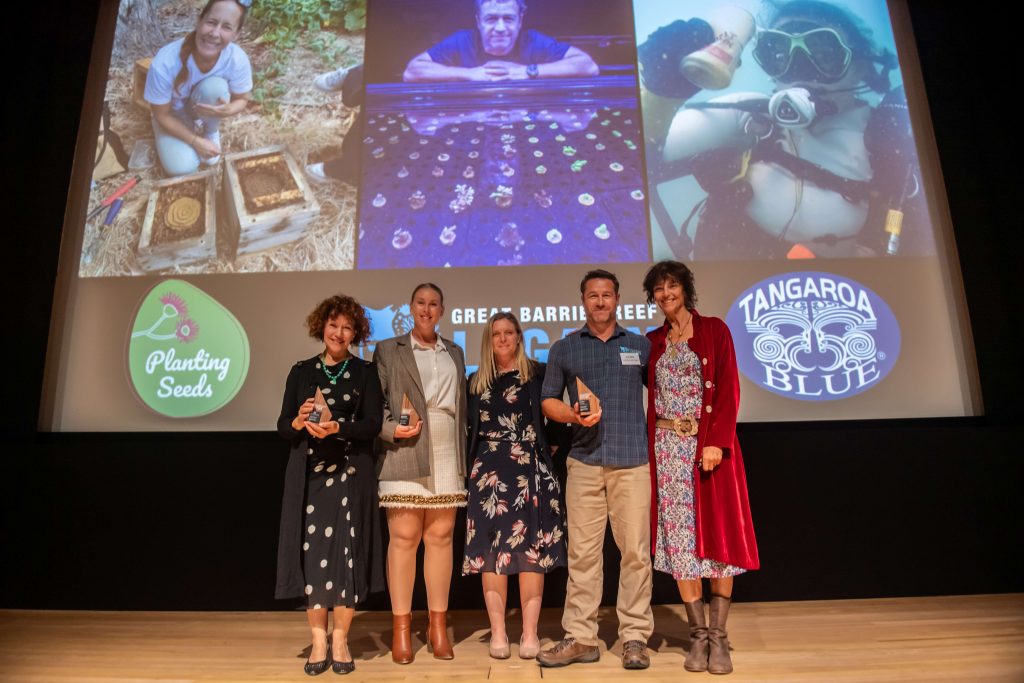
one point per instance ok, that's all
(320, 413)
(589, 403)
(409, 416)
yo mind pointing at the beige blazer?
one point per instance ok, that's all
(407, 459)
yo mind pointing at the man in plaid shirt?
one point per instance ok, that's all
(609, 476)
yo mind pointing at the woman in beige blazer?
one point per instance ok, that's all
(422, 480)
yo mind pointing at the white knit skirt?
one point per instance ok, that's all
(445, 487)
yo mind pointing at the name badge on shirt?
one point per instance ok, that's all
(630, 357)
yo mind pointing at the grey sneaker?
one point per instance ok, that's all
(315, 172)
(569, 651)
(332, 80)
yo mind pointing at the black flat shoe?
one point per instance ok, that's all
(343, 668)
(317, 668)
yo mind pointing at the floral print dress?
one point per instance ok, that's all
(678, 393)
(514, 520)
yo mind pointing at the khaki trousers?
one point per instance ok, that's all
(596, 495)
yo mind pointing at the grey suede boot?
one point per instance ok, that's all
(697, 658)
(719, 660)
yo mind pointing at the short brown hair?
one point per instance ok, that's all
(598, 274)
(334, 306)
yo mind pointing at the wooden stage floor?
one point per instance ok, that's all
(958, 638)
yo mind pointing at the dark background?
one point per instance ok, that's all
(398, 30)
(843, 510)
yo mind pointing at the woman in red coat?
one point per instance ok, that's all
(700, 526)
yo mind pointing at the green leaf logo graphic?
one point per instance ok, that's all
(187, 354)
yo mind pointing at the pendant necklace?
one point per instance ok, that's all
(333, 376)
(672, 344)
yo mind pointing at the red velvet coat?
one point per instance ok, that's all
(725, 531)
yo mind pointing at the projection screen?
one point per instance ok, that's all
(782, 150)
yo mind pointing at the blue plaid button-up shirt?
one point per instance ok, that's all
(620, 438)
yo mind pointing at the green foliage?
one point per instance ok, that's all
(330, 49)
(281, 21)
(280, 24)
(355, 15)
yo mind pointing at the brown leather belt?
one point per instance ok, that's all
(682, 426)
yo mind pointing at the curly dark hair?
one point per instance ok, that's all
(671, 270)
(334, 306)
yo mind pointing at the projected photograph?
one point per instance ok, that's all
(777, 130)
(222, 142)
(500, 134)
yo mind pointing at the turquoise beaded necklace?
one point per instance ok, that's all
(333, 376)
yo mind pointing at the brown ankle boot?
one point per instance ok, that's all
(438, 635)
(697, 657)
(719, 659)
(401, 638)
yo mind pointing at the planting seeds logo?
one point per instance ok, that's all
(813, 336)
(187, 354)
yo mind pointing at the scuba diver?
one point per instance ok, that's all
(810, 170)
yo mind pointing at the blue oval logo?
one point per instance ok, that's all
(813, 336)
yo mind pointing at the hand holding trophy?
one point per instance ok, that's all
(319, 422)
(409, 422)
(588, 406)
(320, 412)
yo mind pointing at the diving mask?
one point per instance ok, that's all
(823, 47)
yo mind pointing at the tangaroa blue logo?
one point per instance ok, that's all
(813, 336)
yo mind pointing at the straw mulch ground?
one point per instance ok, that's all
(310, 124)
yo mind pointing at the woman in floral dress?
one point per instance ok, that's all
(515, 522)
(701, 524)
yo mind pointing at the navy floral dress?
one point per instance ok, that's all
(514, 521)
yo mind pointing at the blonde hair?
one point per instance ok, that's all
(488, 371)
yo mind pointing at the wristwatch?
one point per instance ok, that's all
(532, 71)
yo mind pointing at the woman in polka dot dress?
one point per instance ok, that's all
(330, 549)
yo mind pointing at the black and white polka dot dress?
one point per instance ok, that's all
(340, 529)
